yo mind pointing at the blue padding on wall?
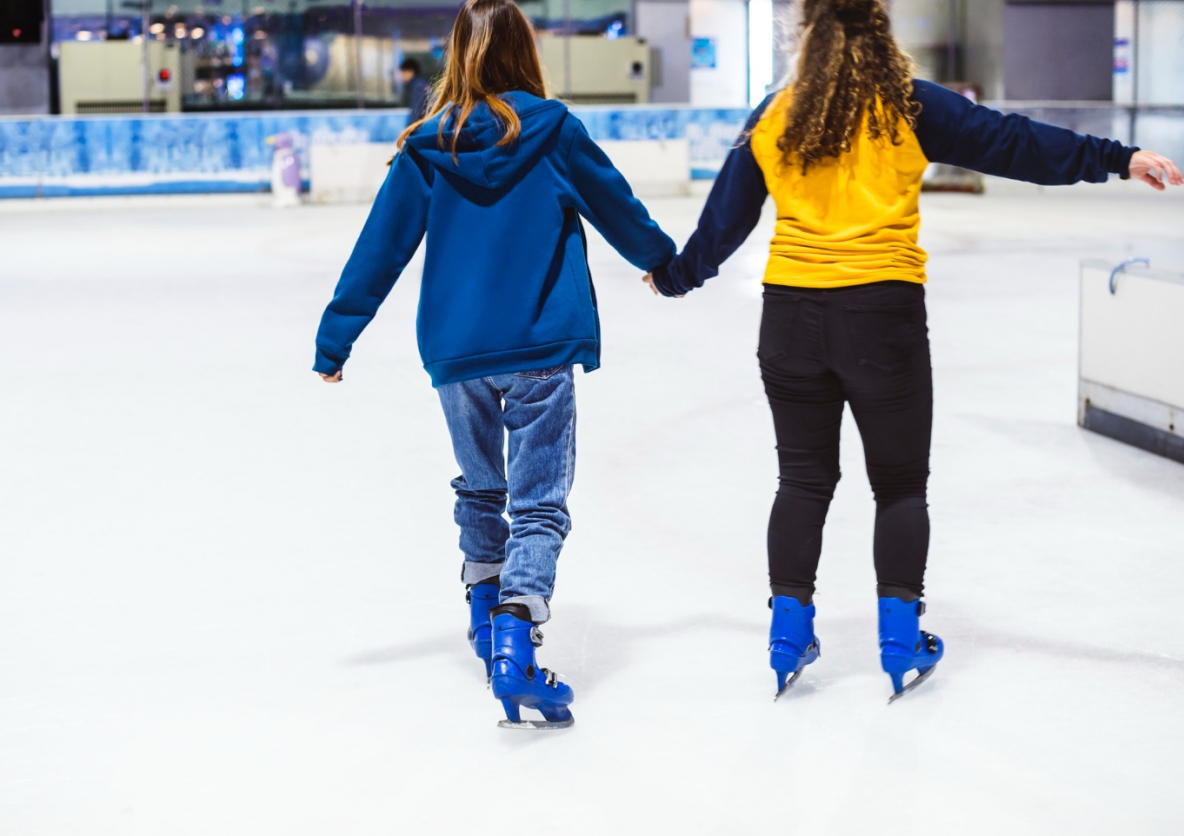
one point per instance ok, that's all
(194, 153)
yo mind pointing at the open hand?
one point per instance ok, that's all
(334, 378)
(1154, 169)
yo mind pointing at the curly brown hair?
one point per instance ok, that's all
(849, 61)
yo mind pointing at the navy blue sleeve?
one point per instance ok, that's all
(955, 131)
(603, 196)
(392, 233)
(732, 211)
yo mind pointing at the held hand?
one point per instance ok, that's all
(648, 278)
(335, 378)
(1153, 169)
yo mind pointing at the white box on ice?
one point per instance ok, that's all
(348, 172)
(1131, 380)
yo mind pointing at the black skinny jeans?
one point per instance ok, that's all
(868, 346)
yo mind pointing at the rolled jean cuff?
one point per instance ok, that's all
(475, 572)
(540, 611)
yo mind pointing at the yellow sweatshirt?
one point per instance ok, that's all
(854, 220)
(851, 220)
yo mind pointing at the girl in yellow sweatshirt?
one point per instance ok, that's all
(842, 151)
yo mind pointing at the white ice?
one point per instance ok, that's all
(229, 596)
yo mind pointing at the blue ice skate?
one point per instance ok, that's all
(482, 598)
(792, 643)
(904, 646)
(519, 683)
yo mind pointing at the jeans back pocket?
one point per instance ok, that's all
(541, 374)
(885, 337)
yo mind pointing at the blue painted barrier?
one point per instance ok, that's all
(195, 153)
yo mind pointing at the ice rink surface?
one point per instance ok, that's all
(229, 597)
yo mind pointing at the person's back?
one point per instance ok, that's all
(850, 219)
(497, 176)
(506, 283)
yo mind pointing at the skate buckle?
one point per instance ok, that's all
(536, 636)
(468, 594)
(550, 677)
(921, 608)
(930, 642)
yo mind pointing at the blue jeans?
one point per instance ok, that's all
(538, 412)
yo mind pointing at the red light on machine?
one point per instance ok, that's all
(164, 76)
(16, 33)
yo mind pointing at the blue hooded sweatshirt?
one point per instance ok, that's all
(506, 286)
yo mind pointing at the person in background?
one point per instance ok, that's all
(842, 151)
(497, 176)
(417, 88)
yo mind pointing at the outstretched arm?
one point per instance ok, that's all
(389, 239)
(732, 211)
(953, 130)
(603, 196)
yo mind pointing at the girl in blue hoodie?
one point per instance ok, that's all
(498, 177)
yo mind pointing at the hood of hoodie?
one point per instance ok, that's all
(479, 159)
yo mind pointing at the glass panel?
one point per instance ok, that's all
(588, 17)
(238, 54)
(1160, 50)
(264, 54)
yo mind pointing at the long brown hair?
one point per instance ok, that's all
(850, 64)
(491, 51)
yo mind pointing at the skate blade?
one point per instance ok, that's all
(538, 725)
(920, 678)
(788, 684)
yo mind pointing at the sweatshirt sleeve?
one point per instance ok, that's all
(389, 239)
(732, 211)
(603, 196)
(953, 130)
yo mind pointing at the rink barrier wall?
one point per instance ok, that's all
(51, 156)
(55, 156)
(1129, 383)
